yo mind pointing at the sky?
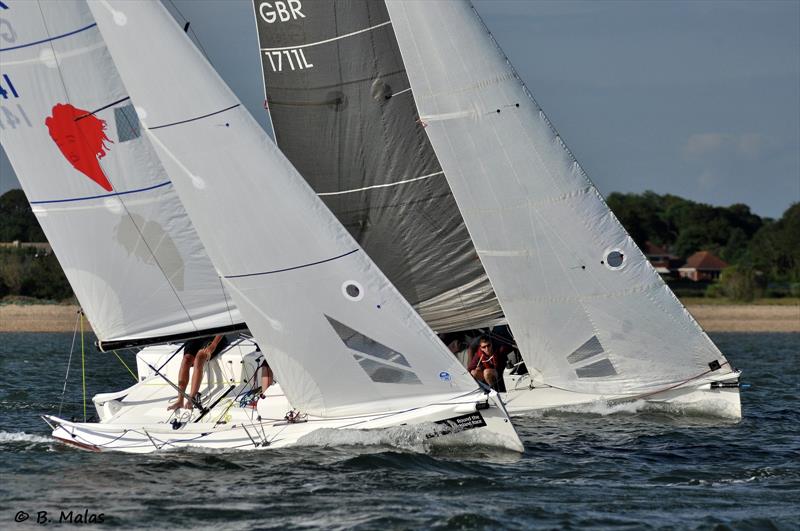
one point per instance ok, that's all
(699, 99)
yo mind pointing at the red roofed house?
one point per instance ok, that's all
(660, 258)
(702, 265)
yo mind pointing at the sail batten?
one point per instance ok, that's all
(96, 186)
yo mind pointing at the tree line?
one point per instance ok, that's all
(762, 252)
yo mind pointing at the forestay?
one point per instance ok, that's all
(339, 336)
(342, 112)
(588, 311)
(95, 184)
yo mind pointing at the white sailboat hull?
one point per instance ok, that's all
(136, 419)
(699, 397)
(454, 422)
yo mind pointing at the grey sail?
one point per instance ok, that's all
(343, 113)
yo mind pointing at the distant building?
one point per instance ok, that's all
(702, 265)
(661, 259)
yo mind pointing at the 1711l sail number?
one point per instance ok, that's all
(294, 58)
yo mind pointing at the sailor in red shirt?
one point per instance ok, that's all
(486, 365)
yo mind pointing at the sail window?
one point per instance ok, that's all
(592, 347)
(352, 290)
(382, 373)
(127, 123)
(358, 341)
(597, 369)
(615, 259)
(377, 360)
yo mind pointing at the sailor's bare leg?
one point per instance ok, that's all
(490, 377)
(478, 375)
(183, 381)
(266, 378)
(197, 375)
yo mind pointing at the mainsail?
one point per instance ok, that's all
(343, 113)
(96, 186)
(588, 311)
(340, 337)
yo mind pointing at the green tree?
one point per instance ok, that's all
(775, 248)
(741, 283)
(17, 221)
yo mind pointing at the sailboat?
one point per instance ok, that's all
(349, 351)
(412, 125)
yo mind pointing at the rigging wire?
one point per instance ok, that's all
(225, 298)
(83, 367)
(69, 362)
(125, 365)
(187, 27)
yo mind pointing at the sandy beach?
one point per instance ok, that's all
(747, 317)
(713, 317)
(39, 318)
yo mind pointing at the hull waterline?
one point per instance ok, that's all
(711, 397)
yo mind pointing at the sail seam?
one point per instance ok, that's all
(385, 185)
(48, 40)
(473, 86)
(194, 119)
(112, 194)
(637, 289)
(327, 40)
(291, 268)
(531, 203)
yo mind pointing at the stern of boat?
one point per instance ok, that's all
(715, 397)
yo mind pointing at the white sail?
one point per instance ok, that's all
(96, 186)
(338, 334)
(588, 311)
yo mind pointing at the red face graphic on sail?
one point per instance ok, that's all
(82, 140)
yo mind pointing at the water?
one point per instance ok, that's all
(620, 469)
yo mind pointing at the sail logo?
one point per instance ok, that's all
(280, 10)
(458, 424)
(81, 138)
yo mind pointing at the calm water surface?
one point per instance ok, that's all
(623, 469)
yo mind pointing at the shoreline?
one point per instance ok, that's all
(712, 317)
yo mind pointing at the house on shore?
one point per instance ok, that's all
(702, 266)
(664, 262)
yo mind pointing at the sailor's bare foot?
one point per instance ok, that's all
(190, 404)
(176, 405)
